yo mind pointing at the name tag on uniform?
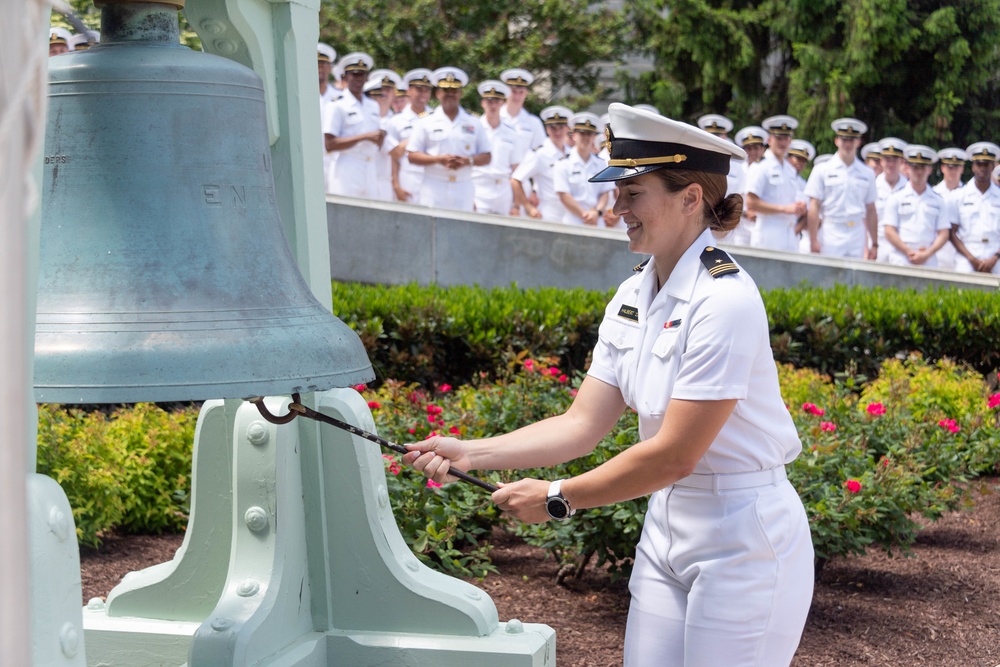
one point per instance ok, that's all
(469, 129)
(630, 313)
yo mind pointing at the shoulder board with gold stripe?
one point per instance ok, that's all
(718, 262)
(639, 267)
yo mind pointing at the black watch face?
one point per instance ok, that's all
(557, 509)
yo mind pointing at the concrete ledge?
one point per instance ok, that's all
(395, 243)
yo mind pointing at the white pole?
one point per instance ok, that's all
(23, 77)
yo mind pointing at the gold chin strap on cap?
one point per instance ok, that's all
(640, 162)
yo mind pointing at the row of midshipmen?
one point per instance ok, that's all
(383, 140)
(880, 206)
(63, 41)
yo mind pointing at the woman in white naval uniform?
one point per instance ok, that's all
(582, 199)
(723, 575)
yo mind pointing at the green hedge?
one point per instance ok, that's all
(435, 335)
(129, 469)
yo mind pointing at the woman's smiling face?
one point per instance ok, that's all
(653, 215)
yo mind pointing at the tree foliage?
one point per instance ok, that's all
(923, 70)
(560, 41)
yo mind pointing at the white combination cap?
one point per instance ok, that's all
(517, 77)
(556, 115)
(953, 156)
(585, 122)
(751, 135)
(387, 77)
(59, 35)
(373, 88)
(493, 89)
(640, 141)
(355, 62)
(892, 147)
(716, 124)
(780, 125)
(326, 53)
(848, 127)
(802, 148)
(982, 151)
(420, 76)
(81, 41)
(820, 159)
(918, 154)
(449, 77)
(871, 150)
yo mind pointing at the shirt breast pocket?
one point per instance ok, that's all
(622, 337)
(663, 367)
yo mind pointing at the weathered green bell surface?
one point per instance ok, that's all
(164, 272)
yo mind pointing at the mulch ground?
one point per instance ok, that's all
(940, 607)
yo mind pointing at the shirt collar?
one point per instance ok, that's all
(680, 284)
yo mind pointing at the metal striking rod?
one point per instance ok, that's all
(296, 408)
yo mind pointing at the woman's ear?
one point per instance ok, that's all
(691, 203)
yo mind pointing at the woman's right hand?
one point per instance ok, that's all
(435, 456)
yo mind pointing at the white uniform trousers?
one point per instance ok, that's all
(493, 195)
(978, 250)
(845, 238)
(774, 232)
(411, 180)
(552, 211)
(452, 192)
(721, 578)
(354, 175)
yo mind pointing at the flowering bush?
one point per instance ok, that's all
(868, 468)
(872, 466)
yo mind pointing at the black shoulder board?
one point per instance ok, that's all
(639, 267)
(718, 262)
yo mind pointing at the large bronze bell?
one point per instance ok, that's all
(164, 272)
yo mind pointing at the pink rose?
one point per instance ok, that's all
(454, 430)
(949, 424)
(359, 387)
(853, 485)
(563, 379)
(374, 405)
(994, 401)
(529, 365)
(431, 484)
(876, 409)
(828, 426)
(445, 388)
(812, 409)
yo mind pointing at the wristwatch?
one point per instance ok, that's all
(556, 504)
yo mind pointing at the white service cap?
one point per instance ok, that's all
(640, 141)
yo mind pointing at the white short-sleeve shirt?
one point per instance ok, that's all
(699, 338)
(917, 218)
(436, 134)
(572, 175)
(528, 126)
(977, 216)
(844, 191)
(539, 166)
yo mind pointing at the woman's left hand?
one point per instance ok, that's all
(524, 500)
